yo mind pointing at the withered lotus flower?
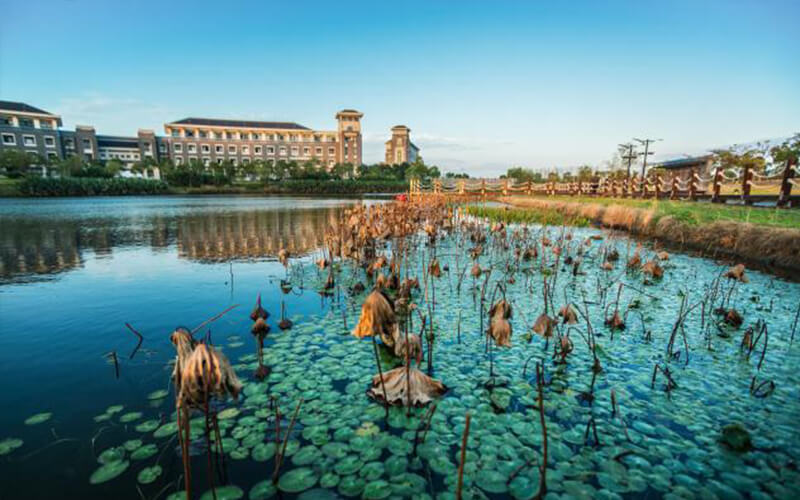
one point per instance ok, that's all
(258, 311)
(285, 324)
(435, 269)
(607, 266)
(545, 241)
(733, 318)
(615, 322)
(260, 328)
(634, 261)
(530, 253)
(476, 271)
(613, 255)
(417, 388)
(499, 327)
(283, 256)
(207, 373)
(544, 326)
(737, 273)
(652, 268)
(377, 318)
(476, 252)
(184, 344)
(568, 314)
(662, 255)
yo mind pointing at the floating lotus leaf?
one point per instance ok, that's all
(168, 429)
(114, 409)
(297, 480)
(351, 486)
(102, 418)
(372, 453)
(348, 465)
(239, 453)
(329, 480)
(407, 485)
(263, 490)
(113, 454)
(159, 394)
(376, 490)
(318, 494)
(371, 471)
(335, 450)
(228, 413)
(108, 471)
(37, 419)
(224, 493)
(178, 495)
(147, 426)
(144, 452)
(149, 474)
(307, 455)
(492, 481)
(264, 451)
(132, 444)
(8, 445)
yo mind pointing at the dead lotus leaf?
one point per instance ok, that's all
(615, 322)
(652, 268)
(499, 327)
(544, 326)
(662, 255)
(377, 317)
(568, 314)
(607, 266)
(417, 389)
(634, 261)
(435, 269)
(476, 271)
(737, 273)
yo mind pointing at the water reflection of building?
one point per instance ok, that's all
(42, 246)
(253, 235)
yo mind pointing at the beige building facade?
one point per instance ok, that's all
(400, 149)
(210, 140)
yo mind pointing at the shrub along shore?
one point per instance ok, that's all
(763, 237)
(89, 186)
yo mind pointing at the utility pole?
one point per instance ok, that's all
(646, 143)
(629, 155)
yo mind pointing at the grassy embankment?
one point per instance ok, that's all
(764, 236)
(75, 186)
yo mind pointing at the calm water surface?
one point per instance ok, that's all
(73, 271)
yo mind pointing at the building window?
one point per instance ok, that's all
(203, 134)
(50, 142)
(257, 150)
(283, 151)
(25, 122)
(318, 151)
(178, 160)
(219, 148)
(162, 148)
(9, 140)
(306, 151)
(6, 120)
(245, 161)
(178, 148)
(175, 133)
(190, 133)
(51, 155)
(205, 148)
(330, 151)
(270, 150)
(146, 147)
(233, 162)
(295, 151)
(280, 137)
(206, 161)
(29, 141)
(232, 150)
(217, 135)
(245, 150)
(191, 148)
(219, 161)
(46, 125)
(87, 144)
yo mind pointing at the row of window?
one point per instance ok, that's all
(207, 161)
(29, 141)
(245, 150)
(253, 136)
(8, 121)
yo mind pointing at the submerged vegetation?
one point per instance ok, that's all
(458, 358)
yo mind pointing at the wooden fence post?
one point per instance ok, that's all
(786, 183)
(528, 189)
(673, 192)
(658, 186)
(717, 185)
(747, 178)
(692, 185)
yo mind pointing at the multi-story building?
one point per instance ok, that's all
(400, 149)
(36, 131)
(30, 129)
(211, 140)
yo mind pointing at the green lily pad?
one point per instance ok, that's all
(376, 490)
(159, 394)
(168, 429)
(37, 419)
(149, 474)
(230, 492)
(307, 455)
(263, 490)
(348, 465)
(130, 417)
(9, 444)
(228, 413)
(263, 452)
(113, 454)
(114, 409)
(108, 471)
(147, 426)
(132, 444)
(351, 486)
(297, 480)
(144, 452)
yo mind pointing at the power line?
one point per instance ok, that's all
(629, 155)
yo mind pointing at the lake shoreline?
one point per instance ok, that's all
(772, 249)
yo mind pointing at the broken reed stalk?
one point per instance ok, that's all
(139, 344)
(380, 374)
(464, 438)
(279, 461)
(794, 324)
(425, 422)
(212, 319)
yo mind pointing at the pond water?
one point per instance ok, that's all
(77, 425)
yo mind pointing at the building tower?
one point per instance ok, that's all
(349, 139)
(400, 149)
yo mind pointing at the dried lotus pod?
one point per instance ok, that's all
(258, 311)
(737, 273)
(652, 268)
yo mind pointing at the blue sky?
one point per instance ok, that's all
(482, 85)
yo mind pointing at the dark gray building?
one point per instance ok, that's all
(33, 130)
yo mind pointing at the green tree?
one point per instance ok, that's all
(112, 167)
(788, 150)
(16, 163)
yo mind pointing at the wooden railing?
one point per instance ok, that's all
(743, 185)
